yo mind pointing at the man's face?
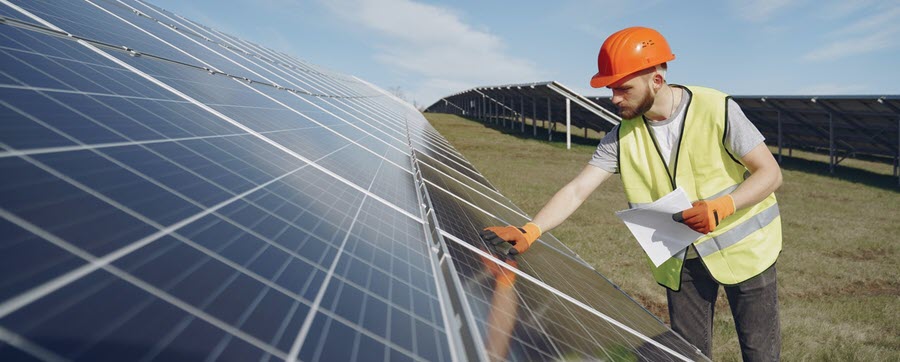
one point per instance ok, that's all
(632, 95)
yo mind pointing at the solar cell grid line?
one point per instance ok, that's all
(501, 216)
(532, 316)
(465, 224)
(414, 327)
(563, 296)
(391, 286)
(52, 7)
(98, 146)
(456, 174)
(83, 20)
(234, 68)
(548, 326)
(211, 110)
(479, 193)
(288, 102)
(438, 144)
(579, 279)
(11, 305)
(458, 333)
(450, 162)
(21, 48)
(77, 141)
(314, 310)
(281, 99)
(240, 44)
(30, 349)
(231, 42)
(16, 303)
(314, 90)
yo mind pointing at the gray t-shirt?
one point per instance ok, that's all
(741, 136)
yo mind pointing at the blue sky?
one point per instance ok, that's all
(429, 49)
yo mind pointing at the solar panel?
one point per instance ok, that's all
(172, 192)
(510, 105)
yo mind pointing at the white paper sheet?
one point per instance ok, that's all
(656, 232)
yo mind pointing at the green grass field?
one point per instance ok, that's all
(838, 273)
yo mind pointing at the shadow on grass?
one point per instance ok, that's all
(868, 178)
(516, 131)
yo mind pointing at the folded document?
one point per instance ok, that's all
(655, 230)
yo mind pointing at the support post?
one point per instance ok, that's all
(549, 121)
(503, 110)
(533, 117)
(831, 155)
(522, 112)
(779, 138)
(568, 124)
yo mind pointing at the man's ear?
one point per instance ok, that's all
(657, 81)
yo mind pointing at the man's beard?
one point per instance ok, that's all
(643, 107)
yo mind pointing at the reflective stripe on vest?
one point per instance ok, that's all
(738, 233)
(745, 243)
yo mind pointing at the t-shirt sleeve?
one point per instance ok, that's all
(741, 136)
(606, 157)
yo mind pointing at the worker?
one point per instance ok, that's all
(697, 139)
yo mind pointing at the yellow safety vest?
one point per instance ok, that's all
(744, 244)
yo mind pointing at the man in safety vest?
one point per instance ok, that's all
(698, 139)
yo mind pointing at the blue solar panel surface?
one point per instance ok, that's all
(172, 192)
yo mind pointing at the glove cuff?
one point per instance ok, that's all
(725, 205)
(532, 232)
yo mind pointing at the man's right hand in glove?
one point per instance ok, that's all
(510, 240)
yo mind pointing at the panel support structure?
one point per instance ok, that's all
(533, 117)
(549, 121)
(568, 124)
(780, 161)
(522, 112)
(831, 155)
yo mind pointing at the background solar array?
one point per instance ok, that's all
(171, 192)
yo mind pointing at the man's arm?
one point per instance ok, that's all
(570, 197)
(765, 177)
(511, 240)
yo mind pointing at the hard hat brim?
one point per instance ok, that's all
(600, 81)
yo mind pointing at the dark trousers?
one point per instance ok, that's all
(754, 305)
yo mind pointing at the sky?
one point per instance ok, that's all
(426, 50)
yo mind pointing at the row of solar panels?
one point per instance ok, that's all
(550, 101)
(851, 125)
(844, 126)
(172, 192)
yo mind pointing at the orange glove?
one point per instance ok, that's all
(704, 216)
(510, 240)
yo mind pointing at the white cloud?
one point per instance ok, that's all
(435, 44)
(761, 10)
(853, 46)
(870, 33)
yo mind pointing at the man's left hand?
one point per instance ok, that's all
(705, 216)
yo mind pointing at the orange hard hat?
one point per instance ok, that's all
(627, 51)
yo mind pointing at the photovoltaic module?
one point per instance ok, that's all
(172, 192)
